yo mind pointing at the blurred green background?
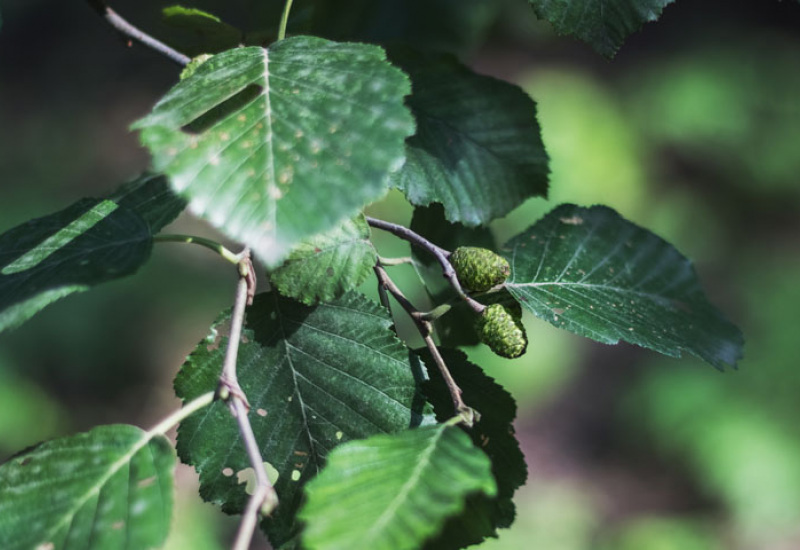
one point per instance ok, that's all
(692, 131)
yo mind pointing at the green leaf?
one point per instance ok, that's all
(91, 242)
(151, 197)
(391, 492)
(275, 145)
(327, 265)
(104, 489)
(315, 377)
(589, 271)
(478, 148)
(494, 434)
(603, 24)
(208, 32)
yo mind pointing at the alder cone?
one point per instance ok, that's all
(479, 269)
(502, 332)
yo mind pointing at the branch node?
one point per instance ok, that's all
(425, 330)
(441, 255)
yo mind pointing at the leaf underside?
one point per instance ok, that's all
(478, 148)
(603, 24)
(107, 489)
(274, 145)
(315, 377)
(326, 266)
(589, 271)
(391, 492)
(91, 242)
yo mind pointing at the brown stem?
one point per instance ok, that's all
(264, 499)
(467, 414)
(441, 255)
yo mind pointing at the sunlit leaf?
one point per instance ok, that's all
(326, 266)
(91, 242)
(589, 271)
(275, 145)
(391, 492)
(107, 489)
(603, 24)
(315, 377)
(494, 434)
(478, 148)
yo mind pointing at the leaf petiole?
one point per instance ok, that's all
(202, 241)
(181, 414)
(284, 19)
(396, 261)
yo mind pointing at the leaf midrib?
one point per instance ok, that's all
(112, 470)
(397, 501)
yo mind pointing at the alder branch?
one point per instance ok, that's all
(441, 255)
(264, 499)
(133, 33)
(467, 414)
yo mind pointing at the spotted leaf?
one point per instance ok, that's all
(589, 271)
(274, 145)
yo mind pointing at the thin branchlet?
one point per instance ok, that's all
(264, 499)
(134, 34)
(425, 329)
(442, 256)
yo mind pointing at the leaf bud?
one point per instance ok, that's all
(479, 269)
(502, 332)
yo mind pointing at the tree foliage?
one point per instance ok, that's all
(280, 146)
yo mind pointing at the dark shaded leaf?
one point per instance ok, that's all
(478, 148)
(589, 271)
(151, 197)
(315, 377)
(438, 25)
(91, 242)
(603, 24)
(204, 32)
(494, 433)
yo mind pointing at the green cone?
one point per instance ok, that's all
(502, 332)
(479, 269)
